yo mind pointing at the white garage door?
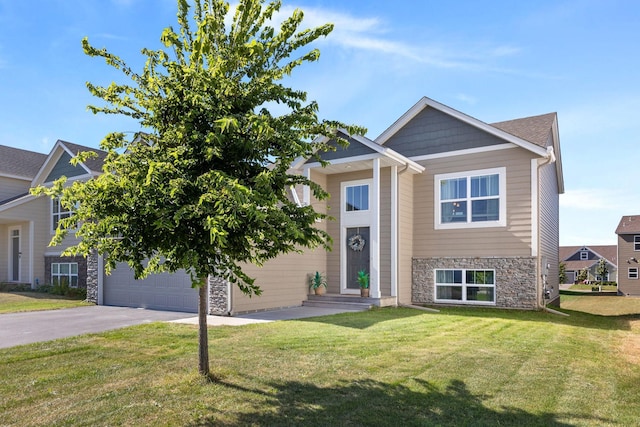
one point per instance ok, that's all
(158, 291)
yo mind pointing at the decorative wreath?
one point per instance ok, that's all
(356, 243)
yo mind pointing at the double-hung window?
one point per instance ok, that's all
(465, 286)
(471, 199)
(636, 243)
(633, 273)
(64, 274)
(58, 213)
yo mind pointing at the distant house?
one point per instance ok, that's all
(27, 223)
(578, 258)
(441, 208)
(628, 232)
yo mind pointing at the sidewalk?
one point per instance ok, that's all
(264, 316)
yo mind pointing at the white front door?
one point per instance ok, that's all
(15, 253)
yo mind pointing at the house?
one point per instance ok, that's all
(451, 210)
(27, 223)
(628, 232)
(579, 258)
(441, 208)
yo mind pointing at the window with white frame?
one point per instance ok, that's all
(58, 213)
(584, 255)
(356, 198)
(636, 243)
(466, 286)
(471, 199)
(633, 273)
(64, 274)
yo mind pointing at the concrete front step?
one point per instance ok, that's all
(355, 306)
(348, 302)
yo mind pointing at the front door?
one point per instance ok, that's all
(14, 254)
(357, 249)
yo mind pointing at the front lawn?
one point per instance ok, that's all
(598, 304)
(384, 367)
(13, 302)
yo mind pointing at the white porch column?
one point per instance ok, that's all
(306, 191)
(31, 279)
(375, 232)
(394, 231)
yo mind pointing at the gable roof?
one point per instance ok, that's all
(367, 150)
(18, 163)
(95, 163)
(428, 102)
(629, 224)
(92, 166)
(535, 129)
(537, 134)
(608, 252)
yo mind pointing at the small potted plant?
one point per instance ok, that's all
(363, 281)
(318, 283)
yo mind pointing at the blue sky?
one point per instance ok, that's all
(493, 60)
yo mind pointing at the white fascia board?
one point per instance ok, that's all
(427, 102)
(464, 152)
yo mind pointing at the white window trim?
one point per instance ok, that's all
(69, 275)
(502, 186)
(636, 242)
(343, 199)
(584, 255)
(632, 273)
(464, 287)
(52, 215)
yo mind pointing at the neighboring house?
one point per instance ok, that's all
(628, 232)
(577, 258)
(27, 223)
(441, 208)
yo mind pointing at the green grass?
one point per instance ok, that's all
(13, 302)
(390, 367)
(601, 305)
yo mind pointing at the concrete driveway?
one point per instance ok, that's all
(37, 326)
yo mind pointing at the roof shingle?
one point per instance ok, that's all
(18, 162)
(535, 129)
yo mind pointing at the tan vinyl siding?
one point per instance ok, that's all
(36, 211)
(385, 231)
(549, 224)
(11, 187)
(284, 280)
(405, 237)
(512, 240)
(625, 253)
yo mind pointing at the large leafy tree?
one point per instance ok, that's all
(204, 187)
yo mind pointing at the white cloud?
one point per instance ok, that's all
(371, 34)
(467, 99)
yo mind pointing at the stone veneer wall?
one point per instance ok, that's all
(218, 296)
(515, 278)
(82, 268)
(92, 277)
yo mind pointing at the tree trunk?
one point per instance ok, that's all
(203, 337)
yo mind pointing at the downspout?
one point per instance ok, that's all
(397, 226)
(542, 278)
